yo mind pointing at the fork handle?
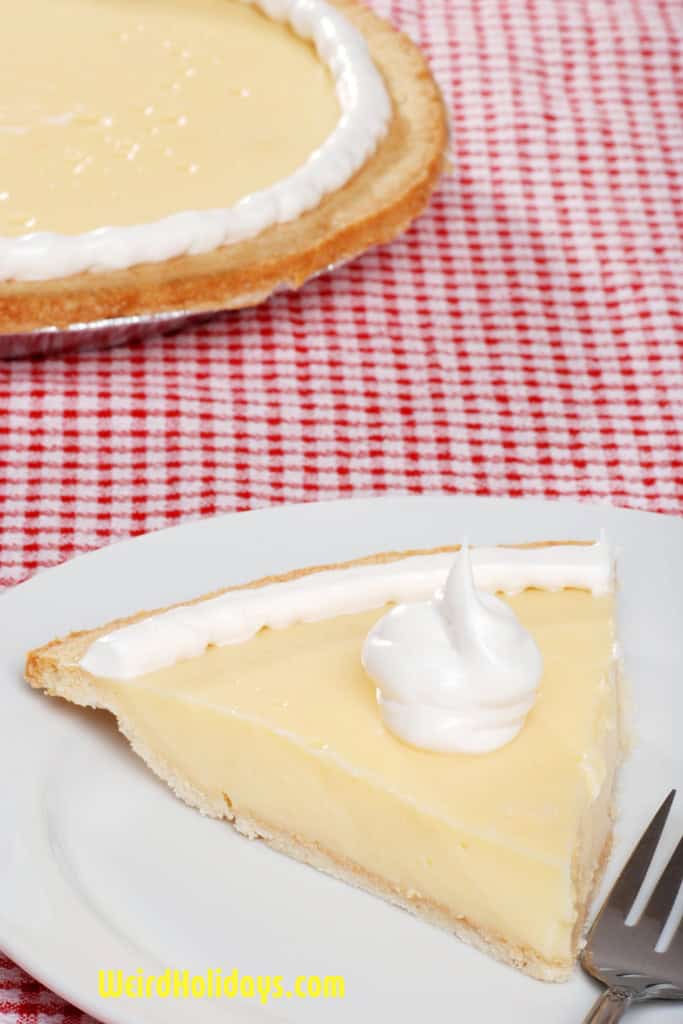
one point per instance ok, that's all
(610, 1007)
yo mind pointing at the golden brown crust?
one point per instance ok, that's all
(376, 205)
(65, 652)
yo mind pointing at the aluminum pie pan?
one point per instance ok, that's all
(49, 341)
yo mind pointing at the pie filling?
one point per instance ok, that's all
(121, 112)
(283, 729)
(138, 130)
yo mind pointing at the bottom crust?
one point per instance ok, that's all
(347, 871)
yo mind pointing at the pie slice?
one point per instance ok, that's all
(249, 146)
(254, 706)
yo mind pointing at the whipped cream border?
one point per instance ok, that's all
(185, 632)
(366, 112)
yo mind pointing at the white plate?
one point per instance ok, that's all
(101, 866)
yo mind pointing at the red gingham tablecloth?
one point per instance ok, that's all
(525, 337)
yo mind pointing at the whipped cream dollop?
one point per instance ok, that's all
(365, 115)
(457, 673)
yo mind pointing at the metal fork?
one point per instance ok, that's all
(623, 957)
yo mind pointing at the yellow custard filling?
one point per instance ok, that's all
(121, 112)
(285, 727)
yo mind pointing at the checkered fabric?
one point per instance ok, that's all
(525, 337)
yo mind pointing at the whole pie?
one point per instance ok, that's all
(485, 809)
(198, 154)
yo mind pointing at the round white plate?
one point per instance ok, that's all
(102, 867)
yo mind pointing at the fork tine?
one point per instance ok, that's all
(662, 900)
(627, 885)
(674, 950)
